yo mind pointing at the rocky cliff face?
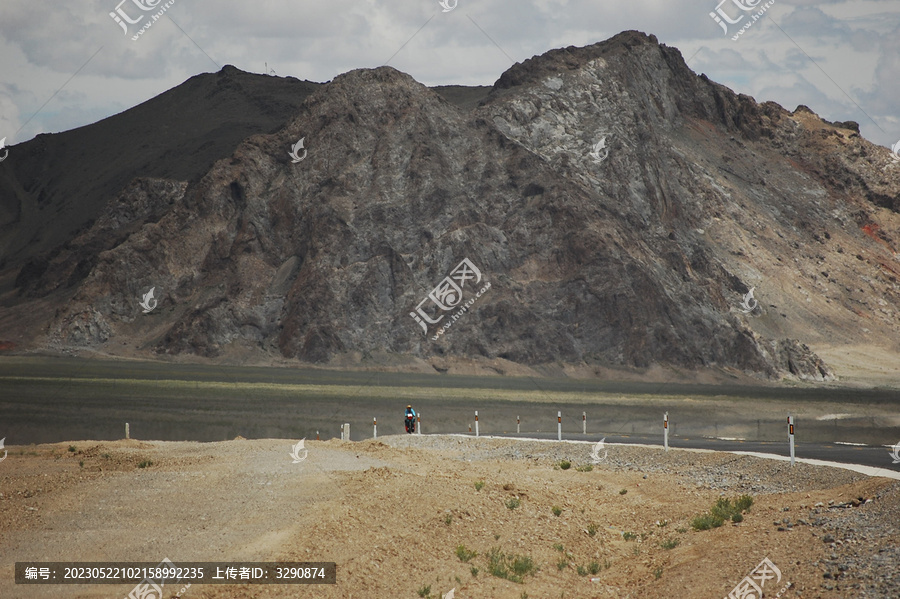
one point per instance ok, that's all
(620, 207)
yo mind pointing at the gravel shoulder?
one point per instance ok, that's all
(391, 512)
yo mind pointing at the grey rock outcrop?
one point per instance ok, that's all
(620, 206)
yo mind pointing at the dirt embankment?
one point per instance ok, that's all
(393, 514)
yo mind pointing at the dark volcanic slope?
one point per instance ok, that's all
(465, 97)
(55, 184)
(620, 205)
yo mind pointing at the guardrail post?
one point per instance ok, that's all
(666, 431)
(791, 436)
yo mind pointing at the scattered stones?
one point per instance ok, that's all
(859, 547)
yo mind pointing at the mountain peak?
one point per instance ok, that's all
(623, 210)
(571, 58)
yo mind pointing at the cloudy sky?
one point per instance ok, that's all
(68, 64)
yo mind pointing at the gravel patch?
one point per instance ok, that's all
(726, 472)
(860, 534)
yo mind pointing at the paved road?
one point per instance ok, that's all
(44, 400)
(875, 456)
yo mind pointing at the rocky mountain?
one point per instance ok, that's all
(55, 185)
(597, 207)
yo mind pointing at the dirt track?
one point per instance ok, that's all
(392, 517)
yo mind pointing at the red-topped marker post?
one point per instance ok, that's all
(666, 431)
(791, 436)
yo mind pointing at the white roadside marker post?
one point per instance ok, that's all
(418, 423)
(342, 432)
(666, 431)
(476, 423)
(518, 425)
(374, 428)
(559, 426)
(791, 436)
(584, 423)
(127, 431)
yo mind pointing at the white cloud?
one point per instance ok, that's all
(42, 46)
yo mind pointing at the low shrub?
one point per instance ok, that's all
(669, 543)
(725, 509)
(464, 554)
(512, 567)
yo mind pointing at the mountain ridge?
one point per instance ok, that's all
(633, 255)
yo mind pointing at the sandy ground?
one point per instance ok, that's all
(391, 513)
(863, 365)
